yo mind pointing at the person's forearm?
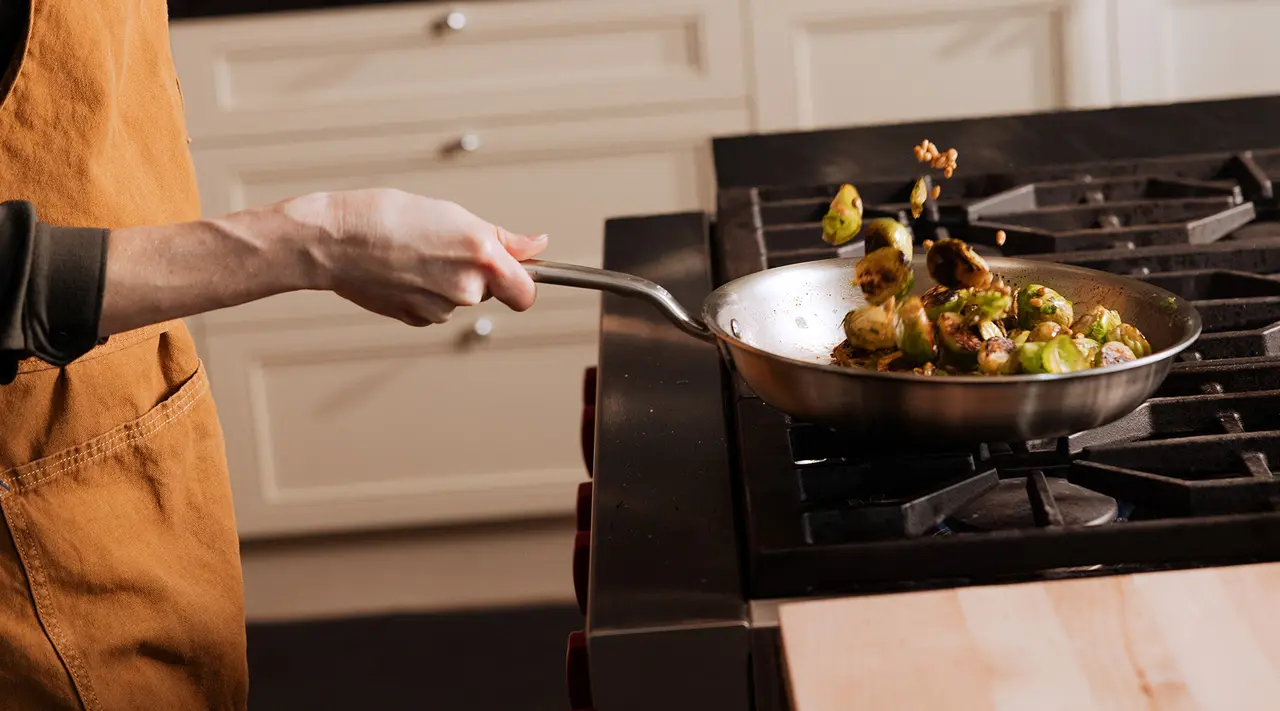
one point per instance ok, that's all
(160, 273)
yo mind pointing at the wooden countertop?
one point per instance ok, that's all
(1190, 640)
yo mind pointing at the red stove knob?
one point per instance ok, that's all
(581, 567)
(589, 438)
(583, 507)
(589, 377)
(589, 418)
(577, 673)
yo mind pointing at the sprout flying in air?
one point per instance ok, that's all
(844, 217)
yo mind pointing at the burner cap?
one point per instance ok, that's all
(1007, 506)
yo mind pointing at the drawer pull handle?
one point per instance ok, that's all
(455, 21)
(469, 142)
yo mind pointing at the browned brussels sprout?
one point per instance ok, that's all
(1097, 323)
(844, 216)
(886, 232)
(959, 342)
(1114, 353)
(884, 274)
(870, 327)
(914, 332)
(953, 263)
(919, 193)
(1037, 303)
(939, 299)
(1129, 335)
(996, 357)
(1045, 331)
(1089, 348)
(986, 305)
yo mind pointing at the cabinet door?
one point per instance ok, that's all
(828, 63)
(409, 63)
(1187, 50)
(338, 419)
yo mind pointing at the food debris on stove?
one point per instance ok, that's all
(970, 322)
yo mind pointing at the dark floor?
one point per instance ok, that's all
(508, 660)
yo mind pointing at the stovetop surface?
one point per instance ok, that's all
(680, 539)
(1182, 481)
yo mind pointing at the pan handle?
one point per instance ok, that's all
(619, 283)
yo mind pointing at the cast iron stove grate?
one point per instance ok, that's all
(1184, 480)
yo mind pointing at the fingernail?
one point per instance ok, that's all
(539, 238)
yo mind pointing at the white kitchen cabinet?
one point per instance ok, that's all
(1186, 50)
(829, 63)
(339, 419)
(412, 63)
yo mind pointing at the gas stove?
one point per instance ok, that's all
(708, 507)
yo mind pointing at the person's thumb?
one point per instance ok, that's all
(522, 247)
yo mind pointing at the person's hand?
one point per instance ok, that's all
(417, 259)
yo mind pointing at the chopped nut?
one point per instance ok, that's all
(1035, 302)
(937, 190)
(1000, 237)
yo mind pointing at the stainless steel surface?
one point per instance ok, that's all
(619, 283)
(777, 328)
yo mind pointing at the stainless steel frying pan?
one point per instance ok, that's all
(777, 327)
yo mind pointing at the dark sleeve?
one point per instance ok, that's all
(51, 283)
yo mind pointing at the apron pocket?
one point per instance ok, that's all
(129, 547)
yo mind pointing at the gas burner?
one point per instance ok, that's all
(828, 511)
(1012, 505)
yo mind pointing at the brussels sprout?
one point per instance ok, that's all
(1019, 336)
(940, 299)
(885, 232)
(919, 193)
(1088, 347)
(884, 274)
(870, 327)
(995, 357)
(844, 216)
(953, 263)
(1059, 355)
(959, 342)
(1038, 303)
(988, 330)
(1129, 335)
(986, 305)
(1114, 353)
(1097, 323)
(914, 333)
(1045, 331)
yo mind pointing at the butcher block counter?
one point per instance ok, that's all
(1206, 639)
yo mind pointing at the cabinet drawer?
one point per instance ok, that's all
(375, 424)
(829, 63)
(564, 179)
(402, 64)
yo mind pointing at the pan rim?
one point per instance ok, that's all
(1182, 308)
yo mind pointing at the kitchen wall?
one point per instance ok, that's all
(460, 443)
